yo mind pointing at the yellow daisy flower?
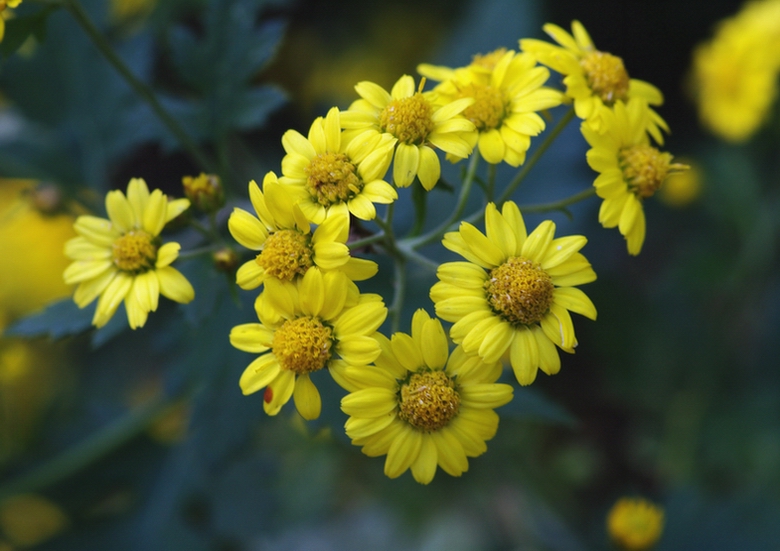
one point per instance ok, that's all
(287, 246)
(635, 524)
(313, 329)
(515, 292)
(507, 89)
(123, 258)
(735, 74)
(416, 126)
(631, 170)
(594, 79)
(329, 176)
(422, 406)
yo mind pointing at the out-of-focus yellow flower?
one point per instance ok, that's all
(123, 259)
(682, 188)
(635, 524)
(508, 90)
(29, 519)
(31, 258)
(5, 14)
(594, 79)
(204, 191)
(734, 77)
(123, 10)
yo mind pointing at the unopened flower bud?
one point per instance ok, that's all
(226, 260)
(204, 191)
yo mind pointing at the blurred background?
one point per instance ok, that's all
(119, 439)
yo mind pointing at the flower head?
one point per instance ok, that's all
(422, 406)
(594, 79)
(286, 246)
(328, 175)
(122, 258)
(507, 91)
(630, 170)
(315, 330)
(415, 124)
(635, 524)
(515, 292)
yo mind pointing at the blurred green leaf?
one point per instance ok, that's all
(58, 320)
(19, 29)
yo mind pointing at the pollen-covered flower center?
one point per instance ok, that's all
(489, 106)
(286, 253)
(606, 76)
(488, 61)
(429, 400)
(135, 251)
(644, 168)
(408, 119)
(332, 178)
(303, 345)
(520, 291)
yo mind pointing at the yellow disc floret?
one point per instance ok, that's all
(644, 168)
(332, 178)
(408, 119)
(135, 251)
(429, 400)
(635, 524)
(489, 107)
(286, 253)
(606, 76)
(303, 345)
(520, 291)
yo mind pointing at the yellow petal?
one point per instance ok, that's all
(251, 337)
(174, 285)
(307, 398)
(259, 374)
(402, 453)
(424, 467)
(119, 211)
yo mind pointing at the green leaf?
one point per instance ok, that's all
(19, 29)
(58, 320)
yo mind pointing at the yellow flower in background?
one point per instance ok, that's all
(416, 125)
(5, 15)
(515, 292)
(594, 79)
(31, 260)
(630, 170)
(315, 331)
(421, 406)
(734, 76)
(287, 246)
(122, 10)
(683, 188)
(122, 258)
(635, 524)
(507, 89)
(328, 176)
(30, 519)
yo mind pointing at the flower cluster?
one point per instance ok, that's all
(734, 75)
(509, 301)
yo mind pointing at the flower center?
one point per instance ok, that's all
(644, 168)
(286, 253)
(429, 400)
(332, 178)
(488, 61)
(408, 119)
(135, 251)
(606, 76)
(488, 109)
(520, 291)
(303, 345)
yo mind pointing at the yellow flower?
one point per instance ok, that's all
(594, 79)
(4, 14)
(515, 292)
(507, 89)
(314, 327)
(630, 170)
(635, 524)
(123, 258)
(288, 247)
(683, 188)
(329, 176)
(415, 125)
(422, 406)
(735, 74)
(30, 519)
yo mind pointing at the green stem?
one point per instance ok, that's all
(198, 252)
(490, 188)
(529, 164)
(365, 241)
(439, 231)
(559, 205)
(87, 452)
(82, 18)
(398, 296)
